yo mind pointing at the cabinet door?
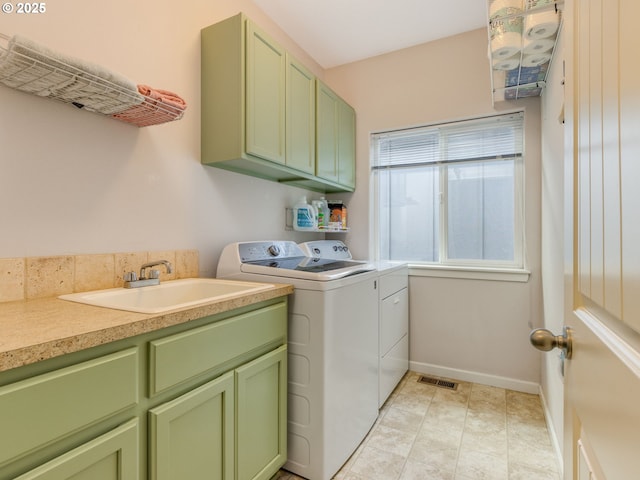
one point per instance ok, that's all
(301, 117)
(346, 145)
(192, 436)
(261, 416)
(335, 159)
(265, 96)
(326, 133)
(113, 456)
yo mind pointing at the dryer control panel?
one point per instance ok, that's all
(334, 249)
(252, 251)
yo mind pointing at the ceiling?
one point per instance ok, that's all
(335, 32)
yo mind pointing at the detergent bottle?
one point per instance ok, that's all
(304, 216)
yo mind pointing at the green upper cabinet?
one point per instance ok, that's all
(335, 159)
(259, 108)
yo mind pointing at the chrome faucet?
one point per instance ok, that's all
(131, 280)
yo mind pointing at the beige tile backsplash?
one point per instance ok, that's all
(38, 277)
(49, 276)
(12, 279)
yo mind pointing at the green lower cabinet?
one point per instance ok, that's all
(192, 436)
(202, 400)
(112, 456)
(261, 416)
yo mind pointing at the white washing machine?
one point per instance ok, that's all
(333, 349)
(393, 313)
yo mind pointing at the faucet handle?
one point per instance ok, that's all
(130, 277)
(154, 274)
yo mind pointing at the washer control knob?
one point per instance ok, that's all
(274, 250)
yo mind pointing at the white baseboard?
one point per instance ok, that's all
(476, 377)
(555, 444)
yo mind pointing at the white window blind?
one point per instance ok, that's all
(451, 194)
(491, 138)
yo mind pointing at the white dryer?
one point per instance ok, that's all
(393, 313)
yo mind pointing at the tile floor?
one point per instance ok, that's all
(476, 432)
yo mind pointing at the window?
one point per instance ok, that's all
(451, 194)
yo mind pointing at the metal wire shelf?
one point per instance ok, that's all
(523, 80)
(33, 68)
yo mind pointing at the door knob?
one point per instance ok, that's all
(544, 340)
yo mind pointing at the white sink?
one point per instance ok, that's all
(169, 295)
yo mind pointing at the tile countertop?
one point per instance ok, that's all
(36, 330)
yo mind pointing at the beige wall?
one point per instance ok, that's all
(553, 239)
(467, 328)
(76, 183)
(73, 182)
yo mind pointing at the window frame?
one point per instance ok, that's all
(515, 270)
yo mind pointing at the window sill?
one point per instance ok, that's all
(470, 273)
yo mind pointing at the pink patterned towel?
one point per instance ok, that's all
(164, 96)
(159, 106)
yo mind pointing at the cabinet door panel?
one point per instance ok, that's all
(393, 365)
(186, 355)
(394, 314)
(192, 436)
(335, 138)
(80, 395)
(327, 133)
(265, 103)
(301, 117)
(261, 416)
(113, 456)
(346, 145)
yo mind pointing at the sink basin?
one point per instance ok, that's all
(169, 295)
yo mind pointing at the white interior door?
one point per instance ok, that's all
(602, 379)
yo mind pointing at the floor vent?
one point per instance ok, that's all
(438, 382)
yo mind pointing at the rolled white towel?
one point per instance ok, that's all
(34, 68)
